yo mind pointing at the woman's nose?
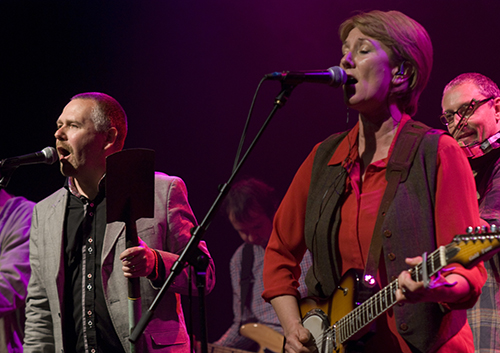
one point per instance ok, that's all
(346, 61)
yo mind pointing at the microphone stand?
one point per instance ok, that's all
(191, 253)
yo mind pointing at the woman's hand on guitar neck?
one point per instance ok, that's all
(442, 288)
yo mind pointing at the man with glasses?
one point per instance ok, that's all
(471, 112)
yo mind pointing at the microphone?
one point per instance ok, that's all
(334, 76)
(48, 156)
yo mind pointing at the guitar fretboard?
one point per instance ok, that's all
(467, 250)
(384, 299)
(221, 349)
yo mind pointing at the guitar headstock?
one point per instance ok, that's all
(476, 245)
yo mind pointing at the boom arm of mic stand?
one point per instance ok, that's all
(190, 254)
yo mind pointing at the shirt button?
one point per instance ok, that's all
(89, 313)
(91, 214)
(90, 250)
(90, 323)
(89, 287)
(391, 256)
(89, 276)
(91, 204)
(90, 240)
(93, 350)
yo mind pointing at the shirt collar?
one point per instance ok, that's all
(347, 152)
(69, 185)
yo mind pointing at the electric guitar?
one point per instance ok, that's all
(266, 337)
(334, 321)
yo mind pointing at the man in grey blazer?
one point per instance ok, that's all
(77, 294)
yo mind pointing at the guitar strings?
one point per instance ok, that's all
(376, 305)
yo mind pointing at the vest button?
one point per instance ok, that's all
(391, 256)
(387, 233)
(403, 327)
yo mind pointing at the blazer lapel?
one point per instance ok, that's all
(55, 231)
(113, 231)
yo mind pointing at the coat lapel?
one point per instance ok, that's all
(55, 231)
(113, 231)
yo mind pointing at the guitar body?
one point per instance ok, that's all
(266, 337)
(320, 315)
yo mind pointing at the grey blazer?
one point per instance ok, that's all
(168, 232)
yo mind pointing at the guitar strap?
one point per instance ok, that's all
(246, 276)
(398, 166)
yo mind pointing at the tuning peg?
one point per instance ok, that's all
(477, 230)
(469, 230)
(493, 228)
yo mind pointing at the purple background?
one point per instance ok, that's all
(185, 71)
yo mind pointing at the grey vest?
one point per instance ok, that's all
(408, 230)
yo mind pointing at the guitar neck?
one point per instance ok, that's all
(467, 250)
(221, 349)
(384, 299)
(266, 337)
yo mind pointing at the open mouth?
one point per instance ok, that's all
(351, 80)
(63, 152)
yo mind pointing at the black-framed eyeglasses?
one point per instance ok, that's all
(465, 110)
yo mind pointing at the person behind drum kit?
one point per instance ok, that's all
(77, 294)
(342, 208)
(471, 112)
(250, 206)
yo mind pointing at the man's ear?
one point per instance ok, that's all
(111, 136)
(401, 74)
(496, 105)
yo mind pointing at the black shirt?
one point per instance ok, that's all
(86, 321)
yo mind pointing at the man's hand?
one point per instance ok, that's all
(138, 261)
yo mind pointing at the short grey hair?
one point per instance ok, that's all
(106, 114)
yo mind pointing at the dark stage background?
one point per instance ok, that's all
(185, 71)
